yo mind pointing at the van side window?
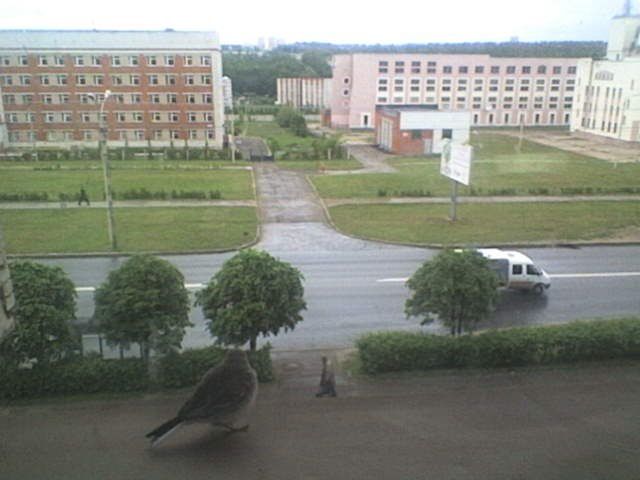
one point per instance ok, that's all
(516, 270)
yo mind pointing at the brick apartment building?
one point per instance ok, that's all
(165, 86)
(497, 91)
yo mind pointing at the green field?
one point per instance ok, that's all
(137, 229)
(497, 169)
(481, 224)
(232, 184)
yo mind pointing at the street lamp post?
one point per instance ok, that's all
(106, 171)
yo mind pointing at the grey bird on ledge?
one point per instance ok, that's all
(223, 398)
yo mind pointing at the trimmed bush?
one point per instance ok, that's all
(518, 346)
(93, 374)
(79, 375)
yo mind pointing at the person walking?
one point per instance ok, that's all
(83, 197)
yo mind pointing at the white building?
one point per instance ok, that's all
(608, 91)
(304, 92)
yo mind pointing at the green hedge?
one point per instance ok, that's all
(92, 374)
(536, 345)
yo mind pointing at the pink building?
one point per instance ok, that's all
(497, 91)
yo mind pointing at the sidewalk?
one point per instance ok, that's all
(574, 422)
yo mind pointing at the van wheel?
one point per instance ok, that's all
(538, 289)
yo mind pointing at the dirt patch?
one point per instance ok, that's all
(603, 148)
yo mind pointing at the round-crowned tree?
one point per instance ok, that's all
(143, 301)
(44, 311)
(458, 287)
(252, 294)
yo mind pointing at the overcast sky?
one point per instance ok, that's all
(334, 21)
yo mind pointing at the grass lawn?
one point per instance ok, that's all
(497, 169)
(232, 184)
(137, 229)
(480, 224)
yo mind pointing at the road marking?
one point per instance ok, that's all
(595, 275)
(189, 286)
(554, 275)
(85, 289)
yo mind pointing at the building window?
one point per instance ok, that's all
(66, 117)
(205, 60)
(115, 61)
(156, 117)
(172, 98)
(526, 69)
(571, 70)
(63, 98)
(542, 69)
(49, 117)
(121, 117)
(192, 117)
(463, 69)
(116, 80)
(134, 79)
(447, 69)
(557, 70)
(495, 68)
(43, 60)
(6, 80)
(44, 80)
(188, 60)
(152, 79)
(47, 99)
(5, 61)
(189, 80)
(81, 80)
(24, 79)
(399, 67)
(61, 79)
(136, 98)
(154, 98)
(169, 60)
(95, 60)
(174, 117)
(190, 98)
(152, 60)
(206, 79)
(23, 60)
(207, 98)
(85, 117)
(511, 69)
(415, 67)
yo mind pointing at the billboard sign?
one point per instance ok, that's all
(455, 162)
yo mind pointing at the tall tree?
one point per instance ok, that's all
(458, 287)
(252, 294)
(44, 311)
(143, 301)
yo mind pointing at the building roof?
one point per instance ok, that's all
(100, 40)
(394, 110)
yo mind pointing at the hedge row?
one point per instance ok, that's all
(93, 374)
(536, 345)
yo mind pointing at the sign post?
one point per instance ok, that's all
(455, 163)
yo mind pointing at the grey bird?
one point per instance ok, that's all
(223, 398)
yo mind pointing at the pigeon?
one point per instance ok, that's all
(223, 397)
(327, 380)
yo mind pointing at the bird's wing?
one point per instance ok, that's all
(220, 392)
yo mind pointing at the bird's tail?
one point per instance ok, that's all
(163, 430)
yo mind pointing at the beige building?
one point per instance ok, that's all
(608, 91)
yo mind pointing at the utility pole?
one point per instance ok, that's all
(106, 172)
